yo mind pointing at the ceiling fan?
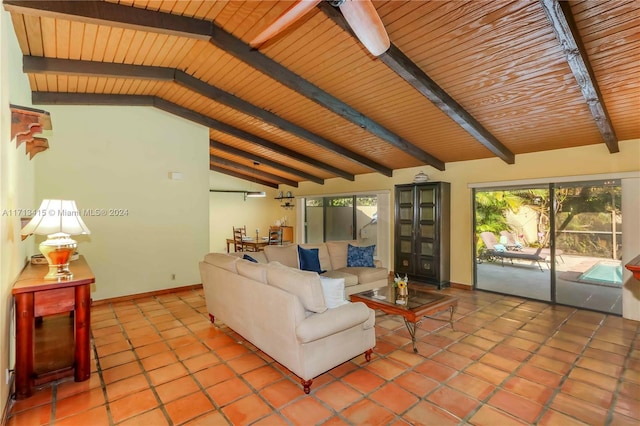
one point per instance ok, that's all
(361, 16)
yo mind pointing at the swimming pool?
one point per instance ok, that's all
(604, 273)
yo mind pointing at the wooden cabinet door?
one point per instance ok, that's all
(405, 229)
(422, 232)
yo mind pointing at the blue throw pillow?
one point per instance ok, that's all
(499, 247)
(360, 256)
(309, 260)
(249, 258)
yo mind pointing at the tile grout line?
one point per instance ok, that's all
(616, 393)
(103, 385)
(171, 349)
(556, 391)
(231, 334)
(138, 361)
(498, 387)
(225, 330)
(441, 349)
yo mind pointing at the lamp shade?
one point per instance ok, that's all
(55, 216)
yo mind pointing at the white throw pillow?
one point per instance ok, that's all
(333, 290)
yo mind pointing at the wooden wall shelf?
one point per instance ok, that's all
(286, 202)
(25, 124)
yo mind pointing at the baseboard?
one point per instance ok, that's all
(461, 286)
(147, 294)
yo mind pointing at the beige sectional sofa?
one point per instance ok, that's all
(282, 311)
(333, 259)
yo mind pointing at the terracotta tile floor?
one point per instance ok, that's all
(158, 360)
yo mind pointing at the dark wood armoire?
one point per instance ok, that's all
(422, 232)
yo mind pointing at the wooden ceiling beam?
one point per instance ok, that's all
(564, 26)
(40, 65)
(236, 103)
(99, 12)
(106, 13)
(251, 170)
(412, 74)
(241, 134)
(288, 78)
(235, 174)
(235, 151)
(56, 98)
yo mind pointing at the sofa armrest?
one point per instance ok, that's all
(332, 321)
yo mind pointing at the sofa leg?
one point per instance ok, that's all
(211, 318)
(306, 384)
(367, 354)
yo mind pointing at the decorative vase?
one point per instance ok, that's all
(403, 291)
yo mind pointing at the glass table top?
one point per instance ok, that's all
(418, 296)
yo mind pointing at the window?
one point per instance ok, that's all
(360, 217)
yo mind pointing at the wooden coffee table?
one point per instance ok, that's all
(418, 304)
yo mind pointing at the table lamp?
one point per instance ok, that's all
(58, 219)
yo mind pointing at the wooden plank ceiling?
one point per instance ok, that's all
(462, 80)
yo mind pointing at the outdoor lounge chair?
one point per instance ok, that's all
(513, 244)
(497, 250)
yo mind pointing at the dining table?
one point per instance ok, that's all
(255, 244)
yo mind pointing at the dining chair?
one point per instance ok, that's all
(275, 235)
(239, 234)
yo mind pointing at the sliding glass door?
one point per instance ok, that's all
(352, 217)
(513, 240)
(560, 242)
(589, 238)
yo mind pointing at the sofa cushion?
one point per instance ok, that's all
(367, 275)
(256, 255)
(304, 284)
(342, 318)
(286, 255)
(333, 290)
(338, 253)
(323, 255)
(223, 261)
(360, 256)
(252, 270)
(309, 260)
(349, 279)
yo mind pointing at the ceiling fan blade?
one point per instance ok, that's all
(285, 20)
(366, 24)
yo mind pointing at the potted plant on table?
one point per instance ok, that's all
(401, 284)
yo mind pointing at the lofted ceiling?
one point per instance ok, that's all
(462, 80)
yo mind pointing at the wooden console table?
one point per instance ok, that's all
(37, 298)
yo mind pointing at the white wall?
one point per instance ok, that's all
(114, 159)
(231, 209)
(16, 192)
